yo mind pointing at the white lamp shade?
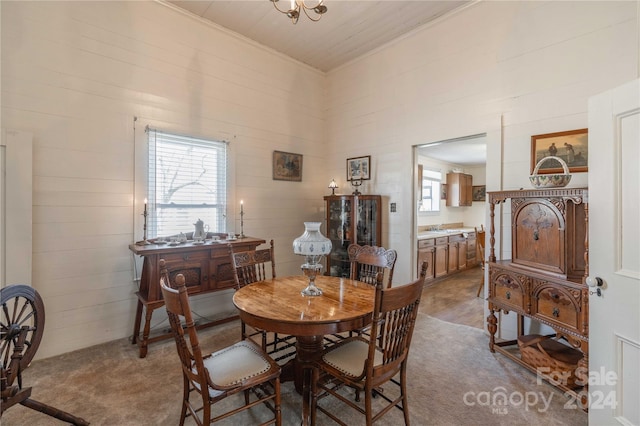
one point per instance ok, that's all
(312, 242)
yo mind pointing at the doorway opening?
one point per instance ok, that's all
(450, 205)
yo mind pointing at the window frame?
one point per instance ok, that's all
(219, 149)
(433, 189)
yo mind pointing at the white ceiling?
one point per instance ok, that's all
(467, 151)
(349, 29)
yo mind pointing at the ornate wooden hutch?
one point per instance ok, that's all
(545, 278)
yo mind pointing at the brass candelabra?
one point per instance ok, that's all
(241, 219)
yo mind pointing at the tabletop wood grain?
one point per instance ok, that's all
(277, 305)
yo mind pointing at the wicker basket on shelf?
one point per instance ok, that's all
(553, 358)
(550, 180)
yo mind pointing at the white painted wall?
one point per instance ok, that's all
(75, 74)
(510, 69)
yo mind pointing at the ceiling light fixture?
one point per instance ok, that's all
(298, 5)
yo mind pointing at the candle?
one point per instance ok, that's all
(241, 206)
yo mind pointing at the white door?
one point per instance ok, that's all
(614, 256)
(16, 185)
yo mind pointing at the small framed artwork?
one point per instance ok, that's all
(287, 166)
(443, 191)
(479, 193)
(572, 146)
(359, 168)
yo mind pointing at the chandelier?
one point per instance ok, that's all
(297, 5)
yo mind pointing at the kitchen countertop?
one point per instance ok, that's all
(443, 233)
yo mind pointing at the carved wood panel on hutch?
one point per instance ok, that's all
(545, 278)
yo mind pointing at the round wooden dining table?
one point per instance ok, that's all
(278, 305)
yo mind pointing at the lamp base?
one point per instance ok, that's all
(311, 271)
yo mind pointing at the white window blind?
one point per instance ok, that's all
(187, 182)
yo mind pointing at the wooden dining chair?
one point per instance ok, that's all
(249, 267)
(367, 261)
(241, 367)
(480, 241)
(367, 363)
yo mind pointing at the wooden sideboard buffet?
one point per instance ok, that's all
(545, 278)
(206, 268)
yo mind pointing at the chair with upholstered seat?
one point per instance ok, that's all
(366, 364)
(368, 261)
(242, 367)
(249, 267)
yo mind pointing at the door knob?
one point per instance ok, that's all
(597, 283)
(594, 281)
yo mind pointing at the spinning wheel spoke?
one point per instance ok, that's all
(21, 329)
(22, 312)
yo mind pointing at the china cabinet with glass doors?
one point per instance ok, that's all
(351, 219)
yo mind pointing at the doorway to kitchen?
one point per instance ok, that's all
(450, 206)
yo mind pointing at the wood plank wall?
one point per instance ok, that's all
(75, 74)
(510, 69)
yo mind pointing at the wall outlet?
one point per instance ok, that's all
(392, 206)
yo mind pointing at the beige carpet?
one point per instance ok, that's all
(452, 379)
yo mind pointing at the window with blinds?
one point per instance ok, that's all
(431, 187)
(187, 182)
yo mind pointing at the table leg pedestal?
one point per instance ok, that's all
(307, 349)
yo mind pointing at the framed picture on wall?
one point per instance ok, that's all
(359, 168)
(443, 191)
(571, 146)
(479, 193)
(287, 166)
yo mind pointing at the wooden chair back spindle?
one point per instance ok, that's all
(368, 261)
(480, 242)
(394, 318)
(252, 266)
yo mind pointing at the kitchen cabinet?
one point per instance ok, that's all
(351, 219)
(452, 257)
(459, 189)
(545, 278)
(457, 253)
(447, 255)
(472, 250)
(441, 254)
(462, 252)
(426, 252)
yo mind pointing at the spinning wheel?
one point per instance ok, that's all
(22, 325)
(21, 329)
